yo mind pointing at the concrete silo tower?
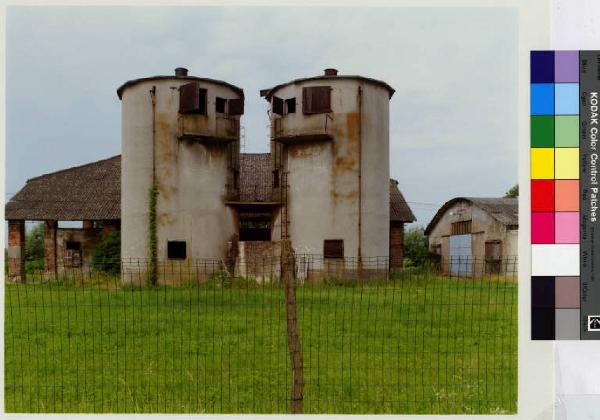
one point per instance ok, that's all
(330, 143)
(181, 134)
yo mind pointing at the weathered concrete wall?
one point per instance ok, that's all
(191, 177)
(16, 251)
(324, 177)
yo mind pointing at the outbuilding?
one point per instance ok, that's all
(472, 234)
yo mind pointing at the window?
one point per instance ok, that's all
(73, 246)
(220, 105)
(316, 99)
(176, 250)
(192, 99)
(277, 106)
(461, 228)
(493, 250)
(236, 106)
(276, 178)
(290, 105)
(333, 248)
(236, 179)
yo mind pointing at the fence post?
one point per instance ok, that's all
(297, 364)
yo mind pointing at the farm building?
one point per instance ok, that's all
(324, 186)
(471, 233)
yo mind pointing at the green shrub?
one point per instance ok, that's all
(34, 243)
(106, 256)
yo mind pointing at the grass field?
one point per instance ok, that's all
(420, 344)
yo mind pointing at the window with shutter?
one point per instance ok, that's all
(277, 105)
(316, 99)
(333, 248)
(192, 99)
(236, 106)
(290, 105)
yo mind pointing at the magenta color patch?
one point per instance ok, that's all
(542, 228)
(567, 227)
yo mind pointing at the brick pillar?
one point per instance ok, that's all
(50, 227)
(16, 251)
(396, 245)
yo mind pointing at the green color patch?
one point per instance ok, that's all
(567, 131)
(542, 131)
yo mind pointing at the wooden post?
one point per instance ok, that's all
(297, 364)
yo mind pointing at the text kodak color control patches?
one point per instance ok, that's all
(565, 234)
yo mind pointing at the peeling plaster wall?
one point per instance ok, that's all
(323, 194)
(191, 177)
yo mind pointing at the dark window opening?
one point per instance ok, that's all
(277, 105)
(276, 178)
(192, 99)
(236, 179)
(220, 105)
(333, 248)
(73, 246)
(255, 230)
(316, 99)
(461, 228)
(290, 104)
(176, 250)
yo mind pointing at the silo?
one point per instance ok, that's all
(330, 140)
(181, 134)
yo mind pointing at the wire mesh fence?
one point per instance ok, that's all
(211, 336)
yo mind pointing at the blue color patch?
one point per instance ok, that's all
(542, 66)
(542, 99)
(567, 98)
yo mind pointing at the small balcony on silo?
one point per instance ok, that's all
(199, 122)
(313, 122)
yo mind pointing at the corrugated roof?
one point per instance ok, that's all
(504, 210)
(93, 191)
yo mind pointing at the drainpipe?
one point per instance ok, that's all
(153, 97)
(360, 180)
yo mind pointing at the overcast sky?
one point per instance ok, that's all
(453, 119)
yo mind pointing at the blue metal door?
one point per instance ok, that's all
(461, 258)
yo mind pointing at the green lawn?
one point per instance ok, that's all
(412, 345)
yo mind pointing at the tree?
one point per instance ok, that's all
(416, 245)
(34, 243)
(513, 192)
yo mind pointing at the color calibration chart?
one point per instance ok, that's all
(565, 289)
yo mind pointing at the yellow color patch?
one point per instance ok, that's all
(542, 163)
(567, 163)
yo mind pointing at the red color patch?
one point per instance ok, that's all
(542, 195)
